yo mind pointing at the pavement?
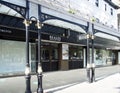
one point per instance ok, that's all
(54, 79)
(110, 84)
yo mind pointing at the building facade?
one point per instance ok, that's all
(63, 36)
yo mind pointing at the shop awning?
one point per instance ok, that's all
(106, 36)
(65, 25)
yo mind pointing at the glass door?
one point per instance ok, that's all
(49, 57)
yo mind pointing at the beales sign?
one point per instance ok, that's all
(55, 38)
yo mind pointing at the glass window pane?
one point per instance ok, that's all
(12, 56)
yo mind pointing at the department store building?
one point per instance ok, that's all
(63, 36)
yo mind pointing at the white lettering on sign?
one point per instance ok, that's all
(5, 31)
(55, 38)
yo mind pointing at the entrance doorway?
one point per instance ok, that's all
(49, 56)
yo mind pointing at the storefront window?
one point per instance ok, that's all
(54, 54)
(104, 57)
(45, 54)
(33, 56)
(76, 52)
(12, 56)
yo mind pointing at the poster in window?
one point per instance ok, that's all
(65, 52)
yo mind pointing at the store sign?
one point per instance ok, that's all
(82, 36)
(65, 51)
(54, 38)
(5, 31)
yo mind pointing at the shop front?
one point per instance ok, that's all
(106, 50)
(104, 57)
(75, 57)
(50, 56)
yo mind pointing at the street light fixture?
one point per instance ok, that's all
(93, 64)
(90, 64)
(39, 71)
(27, 23)
(88, 59)
(27, 69)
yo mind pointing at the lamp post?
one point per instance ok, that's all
(93, 64)
(90, 64)
(39, 70)
(88, 59)
(27, 69)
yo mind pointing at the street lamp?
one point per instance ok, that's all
(90, 64)
(88, 59)
(93, 64)
(27, 69)
(39, 71)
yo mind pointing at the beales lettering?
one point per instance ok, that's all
(55, 38)
(5, 31)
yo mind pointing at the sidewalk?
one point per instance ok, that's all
(110, 84)
(53, 80)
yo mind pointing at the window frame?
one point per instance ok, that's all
(97, 3)
(111, 11)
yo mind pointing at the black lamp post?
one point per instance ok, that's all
(90, 64)
(93, 64)
(27, 69)
(88, 59)
(39, 70)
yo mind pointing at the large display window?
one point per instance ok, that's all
(12, 56)
(104, 57)
(75, 57)
(75, 53)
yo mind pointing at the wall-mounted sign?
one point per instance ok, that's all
(82, 36)
(65, 51)
(55, 38)
(5, 31)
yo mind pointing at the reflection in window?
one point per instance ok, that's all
(33, 57)
(76, 53)
(54, 54)
(12, 56)
(104, 57)
(45, 54)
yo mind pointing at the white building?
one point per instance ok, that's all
(103, 11)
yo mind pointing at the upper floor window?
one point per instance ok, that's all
(97, 3)
(105, 7)
(111, 10)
